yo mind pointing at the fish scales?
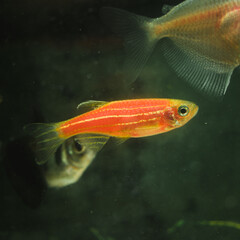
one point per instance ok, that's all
(117, 118)
(120, 119)
(201, 27)
(199, 38)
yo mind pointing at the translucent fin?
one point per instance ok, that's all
(119, 141)
(90, 105)
(92, 141)
(45, 140)
(210, 77)
(138, 38)
(166, 8)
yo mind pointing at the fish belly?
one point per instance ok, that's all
(212, 32)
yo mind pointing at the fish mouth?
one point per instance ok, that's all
(195, 110)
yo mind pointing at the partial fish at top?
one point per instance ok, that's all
(201, 40)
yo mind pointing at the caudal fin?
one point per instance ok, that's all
(45, 140)
(138, 40)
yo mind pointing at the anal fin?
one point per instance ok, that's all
(119, 141)
(204, 74)
(93, 141)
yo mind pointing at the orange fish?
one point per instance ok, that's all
(121, 119)
(200, 39)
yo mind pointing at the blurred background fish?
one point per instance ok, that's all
(121, 119)
(31, 181)
(70, 162)
(202, 42)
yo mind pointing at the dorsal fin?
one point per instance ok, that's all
(90, 105)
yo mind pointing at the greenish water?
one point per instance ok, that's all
(55, 55)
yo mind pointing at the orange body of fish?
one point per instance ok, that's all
(122, 119)
(200, 39)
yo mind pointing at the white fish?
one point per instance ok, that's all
(200, 39)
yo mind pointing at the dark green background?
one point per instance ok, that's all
(56, 54)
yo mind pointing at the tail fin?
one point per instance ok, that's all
(138, 40)
(45, 140)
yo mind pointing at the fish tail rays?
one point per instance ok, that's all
(201, 54)
(46, 140)
(138, 38)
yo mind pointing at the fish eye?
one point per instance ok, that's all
(78, 146)
(183, 111)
